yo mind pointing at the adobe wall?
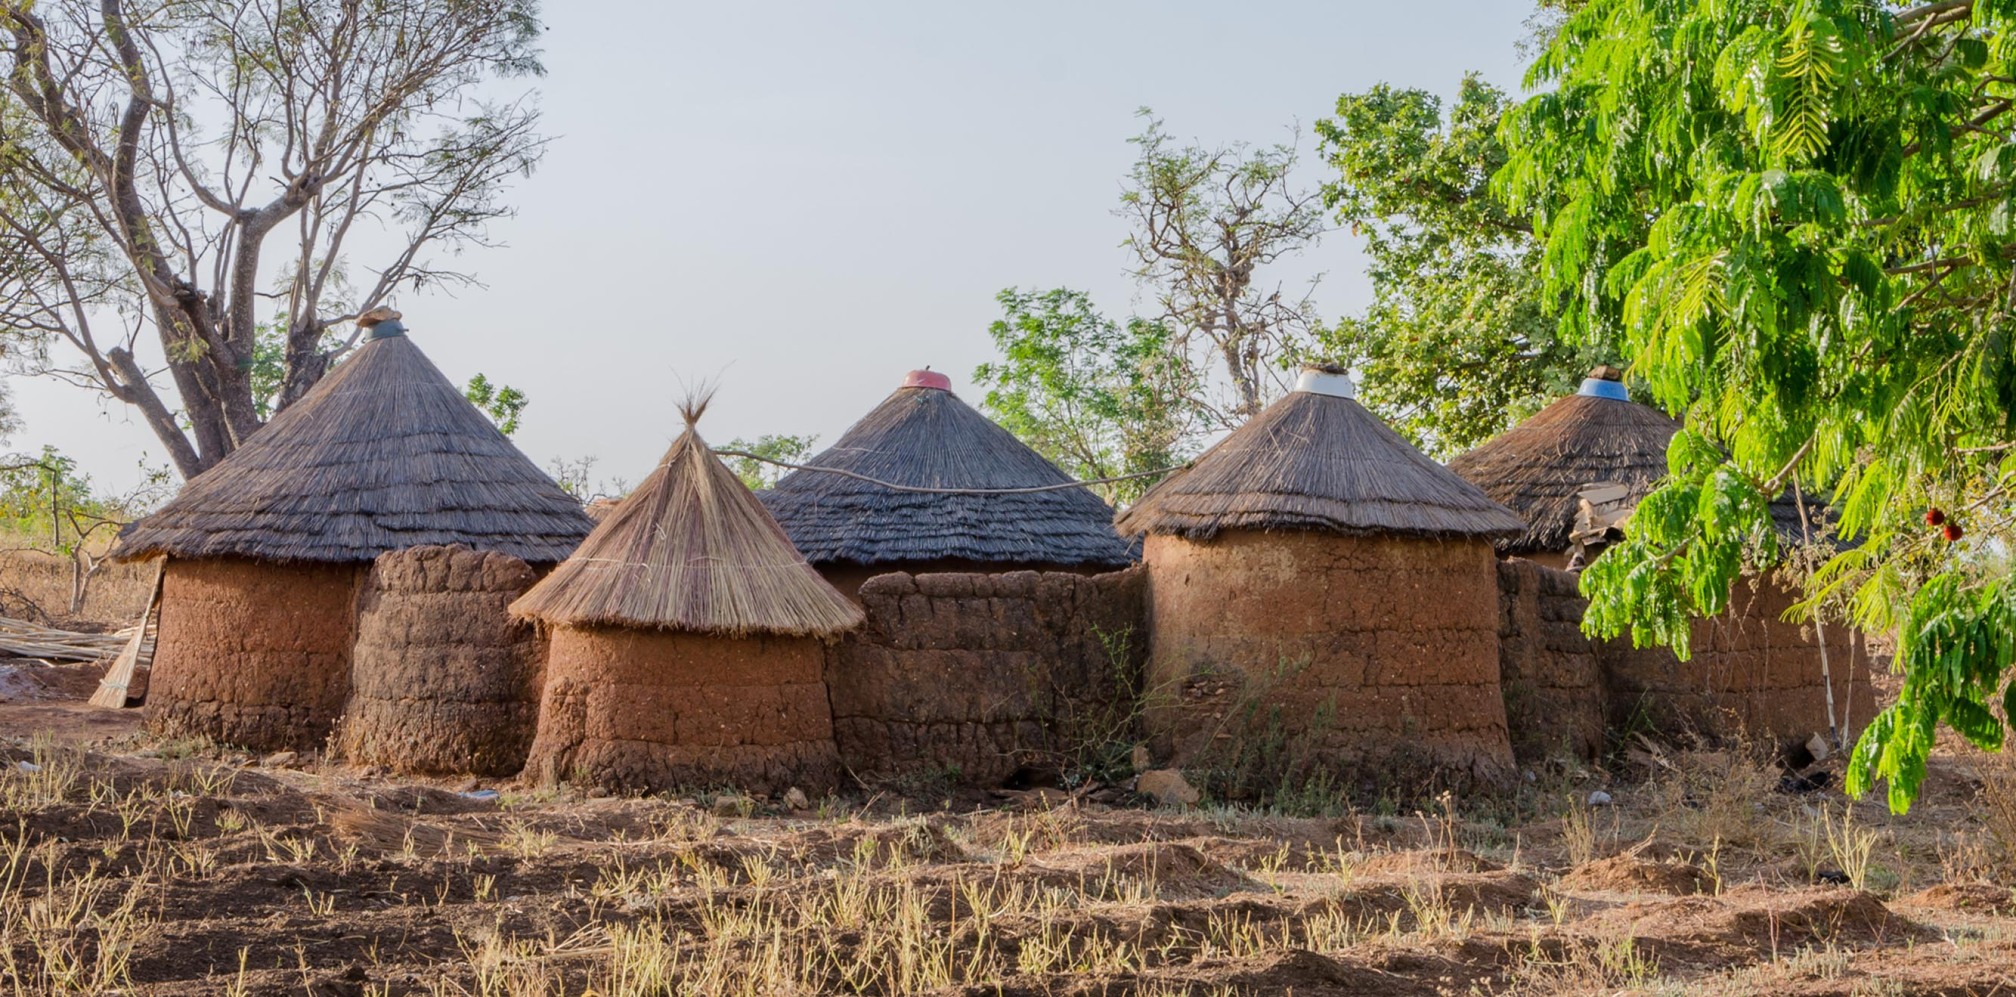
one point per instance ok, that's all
(253, 653)
(1375, 655)
(36, 586)
(442, 680)
(1553, 676)
(1752, 674)
(635, 710)
(976, 676)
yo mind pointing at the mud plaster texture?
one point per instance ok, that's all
(1556, 702)
(1371, 655)
(848, 577)
(1753, 674)
(36, 586)
(253, 653)
(442, 680)
(976, 676)
(636, 710)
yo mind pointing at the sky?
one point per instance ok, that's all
(802, 201)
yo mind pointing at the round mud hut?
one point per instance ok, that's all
(687, 643)
(268, 551)
(442, 679)
(1000, 620)
(1753, 673)
(851, 526)
(1323, 603)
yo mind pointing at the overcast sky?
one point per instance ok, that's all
(807, 199)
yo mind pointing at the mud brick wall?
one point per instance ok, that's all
(975, 675)
(1752, 674)
(36, 586)
(1370, 651)
(442, 680)
(633, 710)
(1555, 699)
(253, 653)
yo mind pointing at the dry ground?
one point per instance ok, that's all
(141, 867)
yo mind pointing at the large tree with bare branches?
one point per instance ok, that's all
(1207, 222)
(189, 179)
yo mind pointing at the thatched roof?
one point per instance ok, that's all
(384, 454)
(692, 550)
(924, 436)
(1317, 460)
(1539, 468)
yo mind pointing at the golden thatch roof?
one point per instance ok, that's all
(690, 549)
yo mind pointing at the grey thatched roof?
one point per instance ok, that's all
(385, 453)
(927, 437)
(1317, 461)
(1539, 468)
(690, 550)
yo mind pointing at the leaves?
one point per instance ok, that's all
(1799, 219)
(1097, 398)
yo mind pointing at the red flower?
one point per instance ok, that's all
(1933, 517)
(1953, 532)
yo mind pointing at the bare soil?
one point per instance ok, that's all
(140, 865)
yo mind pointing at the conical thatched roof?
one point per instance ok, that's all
(1539, 468)
(924, 436)
(1317, 460)
(385, 453)
(692, 550)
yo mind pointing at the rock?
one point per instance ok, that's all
(1599, 798)
(1141, 759)
(1167, 787)
(728, 805)
(469, 786)
(796, 799)
(279, 760)
(598, 792)
(1819, 747)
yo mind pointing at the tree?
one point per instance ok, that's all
(758, 474)
(1800, 215)
(1098, 399)
(503, 403)
(171, 170)
(1456, 345)
(46, 506)
(1205, 223)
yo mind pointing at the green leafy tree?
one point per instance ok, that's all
(1456, 345)
(1801, 218)
(503, 403)
(758, 474)
(47, 506)
(1099, 399)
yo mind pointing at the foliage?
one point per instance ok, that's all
(503, 403)
(1799, 216)
(1206, 223)
(168, 167)
(759, 475)
(1456, 346)
(1098, 399)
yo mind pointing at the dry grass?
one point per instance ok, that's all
(183, 876)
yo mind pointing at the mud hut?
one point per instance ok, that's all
(1314, 579)
(267, 551)
(852, 527)
(442, 679)
(687, 642)
(1753, 672)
